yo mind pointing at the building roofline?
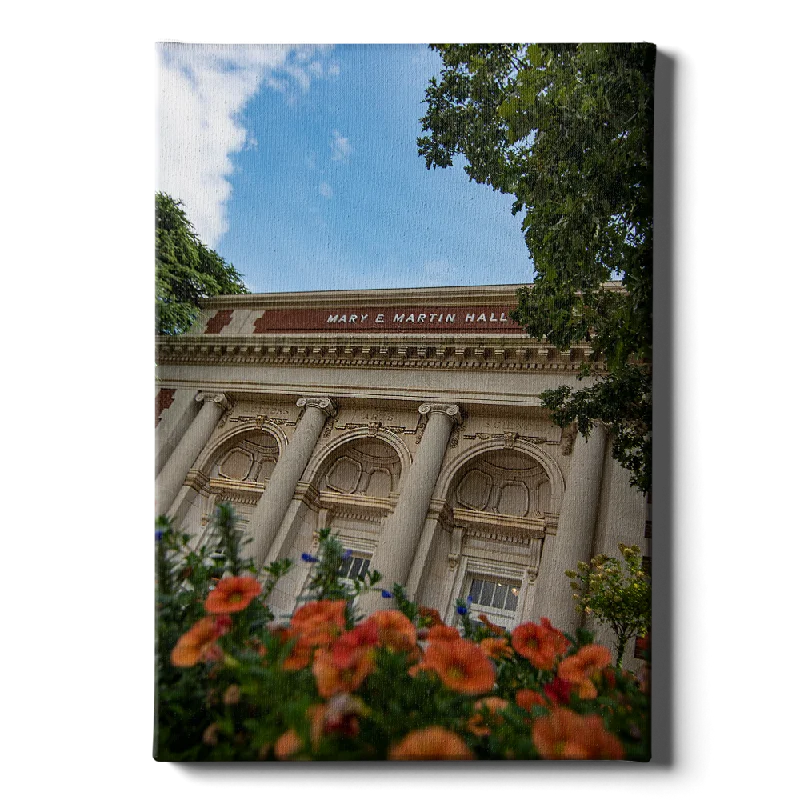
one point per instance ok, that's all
(441, 295)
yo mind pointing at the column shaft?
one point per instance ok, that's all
(172, 476)
(271, 508)
(622, 519)
(573, 540)
(174, 425)
(401, 531)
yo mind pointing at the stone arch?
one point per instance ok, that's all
(444, 487)
(240, 484)
(321, 460)
(495, 537)
(219, 444)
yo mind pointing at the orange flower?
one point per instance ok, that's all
(540, 644)
(585, 666)
(198, 643)
(443, 633)
(345, 673)
(487, 712)
(396, 632)
(431, 744)
(362, 637)
(567, 735)
(288, 745)
(527, 699)
(319, 622)
(349, 661)
(429, 617)
(496, 648)
(461, 666)
(232, 594)
(299, 657)
(558, 691)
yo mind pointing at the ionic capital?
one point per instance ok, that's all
(449, 409)
(324, 404)
(217, 398)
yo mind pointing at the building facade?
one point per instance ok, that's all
(406, 421)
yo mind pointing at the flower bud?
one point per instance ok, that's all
(232, 695)
(211, 734)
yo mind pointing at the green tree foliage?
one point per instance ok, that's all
(568, 131)
(186, 270)
(616, 593)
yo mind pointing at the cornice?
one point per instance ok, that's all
(356, 506)
(441, 295)
(400, 351)
(498, 526)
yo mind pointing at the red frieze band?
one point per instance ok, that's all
(397, 319)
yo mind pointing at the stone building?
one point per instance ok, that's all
(406, 421)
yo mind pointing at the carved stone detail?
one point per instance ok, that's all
(420, 430)
(352, 351)
(324, 404)
(214, 397)
(450, 409)
(456, 541)
(568, 436)
(509, 438)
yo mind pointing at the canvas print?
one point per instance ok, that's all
(403, 404)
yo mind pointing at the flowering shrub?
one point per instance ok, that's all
(617, 593)
(235, 684)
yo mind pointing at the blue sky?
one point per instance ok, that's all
(300, 166)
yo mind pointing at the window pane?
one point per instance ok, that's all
(345, 568)
(486, 594)
(511, 598)
(475, 590)
(354, 567)
(364, 567)
(499, 595)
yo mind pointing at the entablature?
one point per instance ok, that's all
(481, 352)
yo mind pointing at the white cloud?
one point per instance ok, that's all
(340, 147)
(325, 189)
(202, 91)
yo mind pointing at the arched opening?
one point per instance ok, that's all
(236, 471)
(357, 485)
(498, 503)
(352, 487)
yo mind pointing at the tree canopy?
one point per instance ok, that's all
(567, 129)
(186, 270)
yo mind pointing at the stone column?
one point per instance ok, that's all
(174, 425)
(401, 531)
(574, 538)
(622, 518)
(271, 508)
(172, 476)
